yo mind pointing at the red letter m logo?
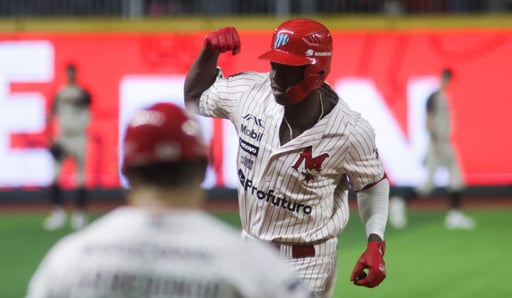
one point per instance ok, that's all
(312, 165)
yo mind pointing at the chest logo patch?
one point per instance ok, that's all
(312, 165)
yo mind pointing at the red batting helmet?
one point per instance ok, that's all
(162, 133)
(299, 42)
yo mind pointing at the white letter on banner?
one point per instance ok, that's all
(24, 112)
(401, 154)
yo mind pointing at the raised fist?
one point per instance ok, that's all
(223, 40)
(373, 260)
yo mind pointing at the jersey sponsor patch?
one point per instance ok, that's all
(311, 52)
(257, 121)
(269, 197)
(251, 133)
(249, 148)
(246, 162)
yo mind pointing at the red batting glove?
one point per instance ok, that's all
(223, 40)
(372, 259)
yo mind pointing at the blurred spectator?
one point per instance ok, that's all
(426, 6)
(393, 7)
(349, 6)
(215, 7)
(164, 7)
(444, 6)
(256, 6)
(28, 8)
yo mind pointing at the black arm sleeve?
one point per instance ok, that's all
(430, 102)
(85, 100)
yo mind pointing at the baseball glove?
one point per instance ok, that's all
(56, 151)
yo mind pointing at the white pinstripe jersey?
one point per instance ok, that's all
(297, 192)
(136, 252)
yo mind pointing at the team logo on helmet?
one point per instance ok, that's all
(281, 40)
(147, 118)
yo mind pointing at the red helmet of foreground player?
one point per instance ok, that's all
(302, 42)
(162, 133)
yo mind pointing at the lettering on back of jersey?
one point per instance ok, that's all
(151, 284)
(312, 165)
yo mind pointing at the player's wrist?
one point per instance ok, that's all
(379, 246)
(209, 52)
(374, 238)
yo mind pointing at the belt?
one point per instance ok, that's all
(296, 251)
(303, 251)
(299, 251)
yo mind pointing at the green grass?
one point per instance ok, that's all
(423, 260)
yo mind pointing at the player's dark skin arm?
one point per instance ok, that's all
(200, 76)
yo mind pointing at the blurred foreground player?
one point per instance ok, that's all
(162, 244)
(70, 109)
(301, 148)
(441, 153)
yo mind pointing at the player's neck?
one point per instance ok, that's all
(165, 198)
(305, 114)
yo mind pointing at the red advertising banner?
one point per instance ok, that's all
(385, 75)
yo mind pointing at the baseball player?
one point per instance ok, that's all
(162, 244)
(440, 153)
(300, 149)
(70, 111)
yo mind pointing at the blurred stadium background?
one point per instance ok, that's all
(144, 8)
(387, 57)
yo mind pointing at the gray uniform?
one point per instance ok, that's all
(440, 151)
(71, 108)
(154, 253)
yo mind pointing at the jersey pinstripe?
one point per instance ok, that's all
(296, 192)
(135, 252)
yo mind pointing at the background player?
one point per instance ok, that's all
(162, 245)
(71, 115)
(440, 153)
(301, 148)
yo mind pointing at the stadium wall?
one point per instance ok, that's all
(386, 63)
